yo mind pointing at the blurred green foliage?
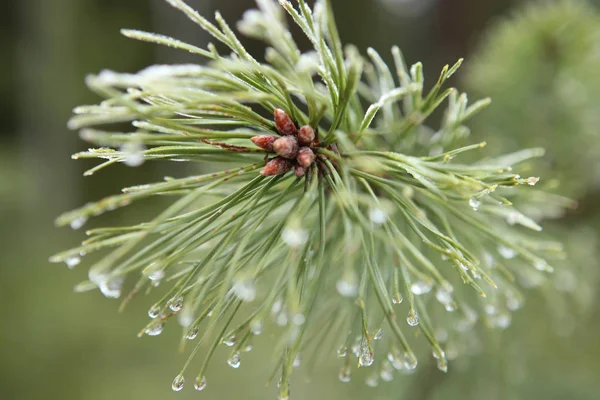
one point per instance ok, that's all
(540, 67)
(55, 344)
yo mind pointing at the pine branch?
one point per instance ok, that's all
(335, 199)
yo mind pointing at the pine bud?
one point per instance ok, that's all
(286, 146)
(284, 123)
(264, 141)
(276, 166)
(306, 135)
(305, 157)
(299, 171)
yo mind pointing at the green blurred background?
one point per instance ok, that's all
(55, 344)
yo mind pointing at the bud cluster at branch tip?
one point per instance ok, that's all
(293, 148)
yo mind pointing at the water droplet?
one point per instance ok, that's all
(365, 355)
(282, 319)
(155, 330)
(513, 303)
(410, 361)
(277, 306)
(230, 341)
(178, 383)
(377, 216)
(347, 288)
(112, 287)
(420, 287)
(234, 360)
(192, 333)
(133, 154)
(507, 252)
(443, 295)
(342, 351)
(200, 384)
(72, 261)
(378, 334)
(294, 237)
(441, 335)
(397, 299)
(256, 327)
(244, 290)
(298, 319)
(442, 364)
(176, 303)
(440, 358)
(284, 395)
(542, 265)
(501, 321)
(345, 374)
(413, 318)
(490, 309)
(157, 275)
(247, 348)
(154, 311)
(78, 222)
(297, 361)
(532, 180)
(372, 380)
(387, 373)
(474, 203)
(185, 317)
(395, 361)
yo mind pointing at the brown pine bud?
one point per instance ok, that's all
(306, 135)
(286, 146)
(305, 157)
(299, 171)
(264, 141)
(284, 123)
(276, 166)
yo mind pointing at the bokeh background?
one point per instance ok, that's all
(55, 344)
